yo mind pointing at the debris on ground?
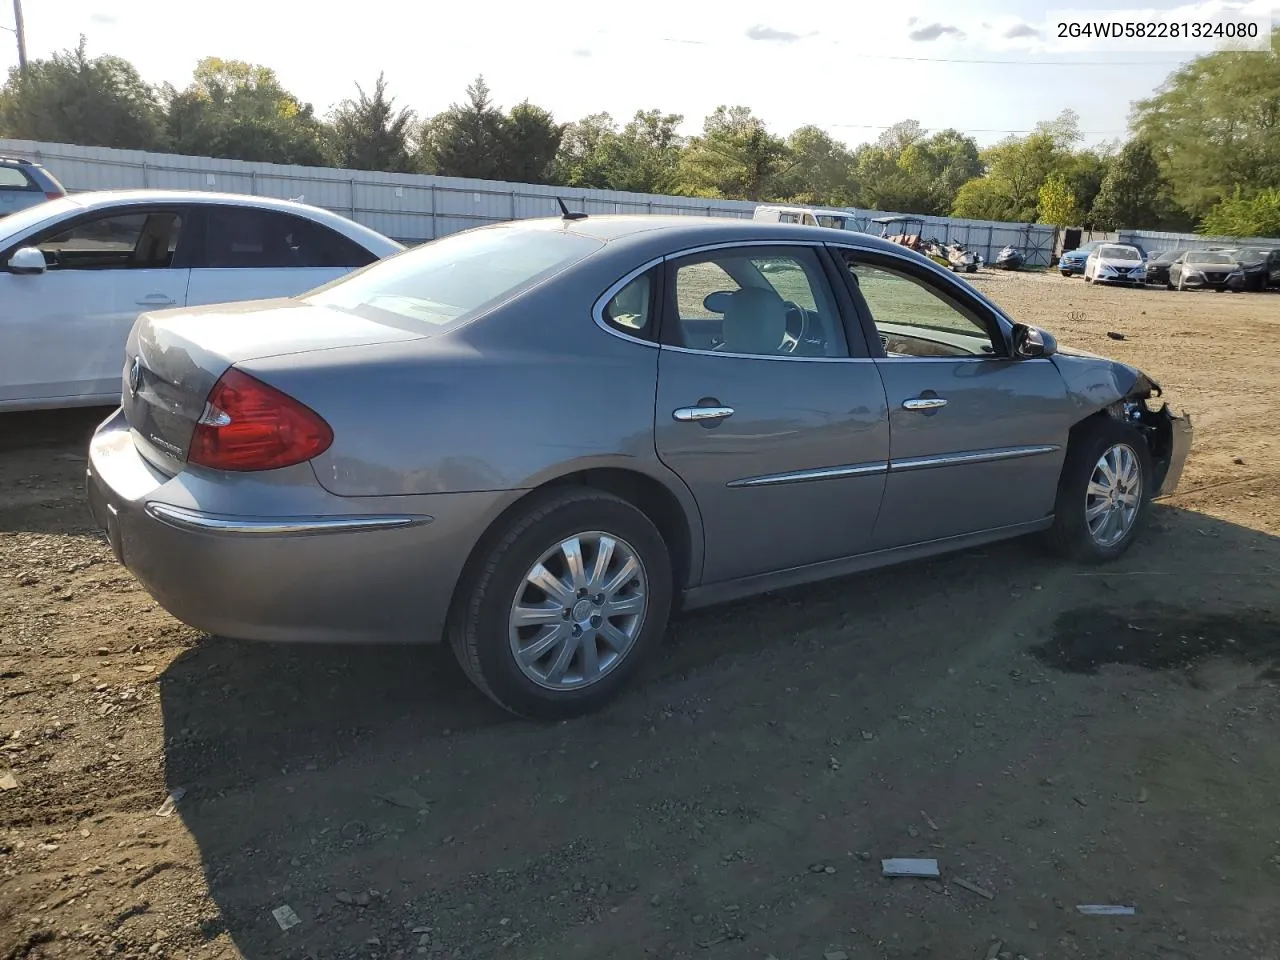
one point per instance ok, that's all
(835, 955)
(993, 951)
(171, 802)
(1105, 910)
(408, 798)
(973, 888)
(909, 867)
(1115, 336)
(929, 822)
(8, 782)
(285, 916)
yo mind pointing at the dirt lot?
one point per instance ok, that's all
(1053, 735)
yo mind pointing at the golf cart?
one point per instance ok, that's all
(909, 232)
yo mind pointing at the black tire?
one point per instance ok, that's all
(1069, 536)
(479, 627)
(1169, 286)
(1067, 274)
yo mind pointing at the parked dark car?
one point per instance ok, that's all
(1158, 265)
(1201, 270)
(1255, 268)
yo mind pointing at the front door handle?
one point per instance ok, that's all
(924, 403)
(156, 300)
(696, 414)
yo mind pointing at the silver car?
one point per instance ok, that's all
(536, 439)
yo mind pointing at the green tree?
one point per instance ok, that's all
(468, 139)
(1240, 216)
(736, 156)
(240, 110)
(1016, 167)
(647, 153)
(531, 138)
(589, 153)
(1134, 192)
(369, 133)
(909, 172)
(1084, 171)
(72, 98)
(1215, 125)
(1058, 205)
(821, 172)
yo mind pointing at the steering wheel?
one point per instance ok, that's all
(796, 317)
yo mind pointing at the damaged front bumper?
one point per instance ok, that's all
(1180, 434)
(1169, 438)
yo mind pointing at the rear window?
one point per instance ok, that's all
(449, 281)
(12, 178)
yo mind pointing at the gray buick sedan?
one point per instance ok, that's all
(537, 439)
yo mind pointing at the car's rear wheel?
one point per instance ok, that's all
(1104, 492)
(561, 610)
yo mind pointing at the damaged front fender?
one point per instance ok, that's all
(1100, 385)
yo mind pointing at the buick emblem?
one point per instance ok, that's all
(135, 376)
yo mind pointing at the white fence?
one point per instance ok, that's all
(1151, 240)
(413, 207)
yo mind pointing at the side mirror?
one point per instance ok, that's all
(1032, 343)
(27, 260)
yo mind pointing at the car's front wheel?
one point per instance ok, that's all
(560, 611)
(1104, 492)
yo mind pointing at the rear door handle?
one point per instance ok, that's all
(924, 403)
(696, 414)
(156, 300)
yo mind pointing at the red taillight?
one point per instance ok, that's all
(50, 195)
(248, 425)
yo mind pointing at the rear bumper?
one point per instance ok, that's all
(332, 570)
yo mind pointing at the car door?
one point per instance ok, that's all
(776, 426)
(977, 438)
(253, 253)
(65, 328)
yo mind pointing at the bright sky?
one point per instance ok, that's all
(824, 62)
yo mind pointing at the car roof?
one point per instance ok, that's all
(693, 230)
(371, 239)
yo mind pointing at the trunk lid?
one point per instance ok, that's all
(174, 357)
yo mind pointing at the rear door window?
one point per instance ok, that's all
(248, 238)
(14, 178)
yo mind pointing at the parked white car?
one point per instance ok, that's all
(76, 272)
(1116, 263)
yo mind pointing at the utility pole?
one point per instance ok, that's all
(22, 36)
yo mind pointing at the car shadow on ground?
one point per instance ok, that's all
(398, 812)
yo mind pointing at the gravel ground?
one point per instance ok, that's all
(1053, 735)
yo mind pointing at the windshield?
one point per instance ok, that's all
(1212, 258)
(18, 223)
(1119, 253)
(1168, 256)
(448, 281)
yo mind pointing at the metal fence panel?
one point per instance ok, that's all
(1162, 240)
(414, 207)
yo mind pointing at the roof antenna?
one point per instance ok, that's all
(566, 215)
